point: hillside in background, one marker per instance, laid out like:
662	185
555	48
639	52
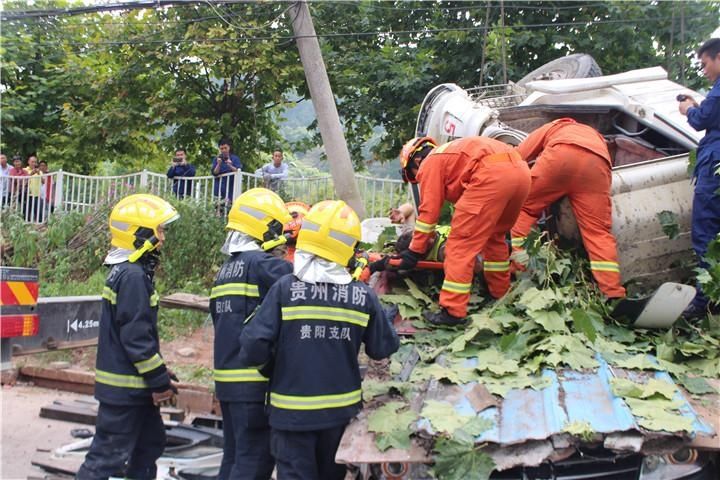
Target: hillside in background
294	128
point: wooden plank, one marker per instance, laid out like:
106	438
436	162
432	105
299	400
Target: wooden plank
70	413
187	301
45	460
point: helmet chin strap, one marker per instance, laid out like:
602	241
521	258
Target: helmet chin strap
273	236
270	244
147	246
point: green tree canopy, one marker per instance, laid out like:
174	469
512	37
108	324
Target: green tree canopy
130	86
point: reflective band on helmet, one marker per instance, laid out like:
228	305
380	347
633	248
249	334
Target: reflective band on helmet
496	266
239	375
109	295
333	314
342	237
150	364
245	289
518	241
253	212
120	225
315	402
308	225
118	380
456	287
605	266
424	227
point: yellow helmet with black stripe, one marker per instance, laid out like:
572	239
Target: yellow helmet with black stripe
135	220
260	213
330	230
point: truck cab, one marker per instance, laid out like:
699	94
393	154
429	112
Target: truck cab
650	142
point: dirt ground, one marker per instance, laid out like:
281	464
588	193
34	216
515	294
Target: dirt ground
23	431
201	341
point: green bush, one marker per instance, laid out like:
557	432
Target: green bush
51	249
70	249
191	253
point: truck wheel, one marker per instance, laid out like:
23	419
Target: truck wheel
577	65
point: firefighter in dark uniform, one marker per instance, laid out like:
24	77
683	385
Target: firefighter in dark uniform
310	327
255	225
131	379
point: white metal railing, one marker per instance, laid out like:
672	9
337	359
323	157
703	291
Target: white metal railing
35	198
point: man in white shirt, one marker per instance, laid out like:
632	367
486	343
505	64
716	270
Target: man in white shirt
274	172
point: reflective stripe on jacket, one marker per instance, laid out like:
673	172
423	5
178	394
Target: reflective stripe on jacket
443	176
129	365
312	336
240	286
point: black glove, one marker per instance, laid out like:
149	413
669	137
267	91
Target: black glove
408	260
379	265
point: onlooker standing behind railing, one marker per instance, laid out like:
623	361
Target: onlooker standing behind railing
225	162
18	185
275	172
48	195
181	168
34	206
4	181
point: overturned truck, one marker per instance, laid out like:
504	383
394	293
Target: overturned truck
543	384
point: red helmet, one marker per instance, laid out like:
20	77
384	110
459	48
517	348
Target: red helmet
297	211
407	155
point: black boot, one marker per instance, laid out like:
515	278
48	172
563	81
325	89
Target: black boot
443	318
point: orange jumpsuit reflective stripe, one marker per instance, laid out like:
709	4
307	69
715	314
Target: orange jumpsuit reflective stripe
488	184
573	161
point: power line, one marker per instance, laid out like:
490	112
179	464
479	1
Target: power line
586	23
153	4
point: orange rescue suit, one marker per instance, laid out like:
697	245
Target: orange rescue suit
573	160
488	183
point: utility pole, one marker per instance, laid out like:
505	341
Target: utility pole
336	149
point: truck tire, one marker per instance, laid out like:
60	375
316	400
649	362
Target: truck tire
577	65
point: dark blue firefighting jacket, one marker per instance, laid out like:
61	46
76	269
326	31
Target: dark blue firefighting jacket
129	366
706	117
240	285
313	333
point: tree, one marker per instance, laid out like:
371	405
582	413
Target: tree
131	87
123	87
61	94
408	47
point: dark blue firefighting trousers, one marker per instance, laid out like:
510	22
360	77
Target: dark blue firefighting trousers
127	442
705	215
246	448
307	455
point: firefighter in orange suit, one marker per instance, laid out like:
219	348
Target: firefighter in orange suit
297	210
488	182
573	160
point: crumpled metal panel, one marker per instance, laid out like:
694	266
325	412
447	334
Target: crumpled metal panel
572	396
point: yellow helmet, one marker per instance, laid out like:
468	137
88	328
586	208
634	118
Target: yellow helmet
330	230
260	213
135	220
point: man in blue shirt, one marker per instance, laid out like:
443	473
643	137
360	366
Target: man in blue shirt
274	172
706	204
178	172
225	162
